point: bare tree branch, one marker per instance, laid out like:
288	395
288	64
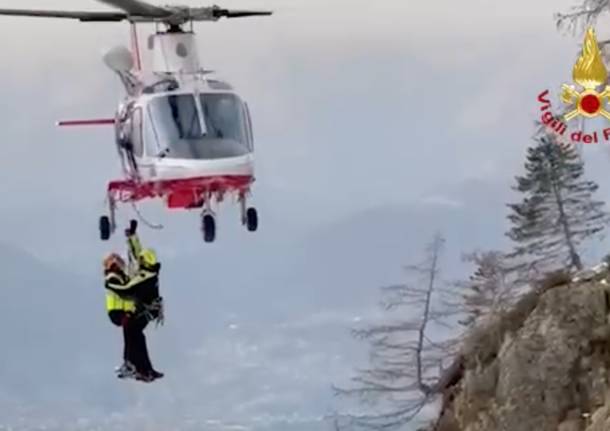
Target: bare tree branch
405	361
583	15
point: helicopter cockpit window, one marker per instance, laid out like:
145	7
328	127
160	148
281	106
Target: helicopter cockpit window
210	127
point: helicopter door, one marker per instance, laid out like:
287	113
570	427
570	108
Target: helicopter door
125	145
131	139
151	151
249	127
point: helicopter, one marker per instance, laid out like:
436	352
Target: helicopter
182	135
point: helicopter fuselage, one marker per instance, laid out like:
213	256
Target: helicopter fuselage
188	144
185	133
179	122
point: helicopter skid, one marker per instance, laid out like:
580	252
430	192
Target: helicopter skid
186	193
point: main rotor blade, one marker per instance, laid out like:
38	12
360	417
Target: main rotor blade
138	8
139	11
82	16
228	13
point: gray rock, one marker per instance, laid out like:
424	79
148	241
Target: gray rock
543	370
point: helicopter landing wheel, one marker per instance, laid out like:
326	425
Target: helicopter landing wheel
252	219
105	228
208	227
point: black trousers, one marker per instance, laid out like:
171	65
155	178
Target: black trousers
134	340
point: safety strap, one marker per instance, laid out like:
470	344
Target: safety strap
149	311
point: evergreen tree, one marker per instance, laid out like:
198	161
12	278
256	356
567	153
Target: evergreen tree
557	211
488	290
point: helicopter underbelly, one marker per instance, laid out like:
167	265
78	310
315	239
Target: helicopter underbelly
172	169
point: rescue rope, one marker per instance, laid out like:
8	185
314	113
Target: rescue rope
143	220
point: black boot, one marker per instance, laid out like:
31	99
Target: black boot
145	377
125	371
156	374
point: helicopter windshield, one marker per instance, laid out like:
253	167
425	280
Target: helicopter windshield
210	127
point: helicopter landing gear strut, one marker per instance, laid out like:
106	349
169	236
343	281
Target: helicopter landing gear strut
249	215
107	223
208	222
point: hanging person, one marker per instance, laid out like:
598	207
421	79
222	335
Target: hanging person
120	309
133	301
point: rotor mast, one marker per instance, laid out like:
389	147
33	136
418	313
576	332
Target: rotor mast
174	51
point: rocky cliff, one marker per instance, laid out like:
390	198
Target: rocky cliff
543	366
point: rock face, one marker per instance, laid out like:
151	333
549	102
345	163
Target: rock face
544	366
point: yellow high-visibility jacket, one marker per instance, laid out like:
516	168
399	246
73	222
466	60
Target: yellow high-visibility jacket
137	288
115	301
130	288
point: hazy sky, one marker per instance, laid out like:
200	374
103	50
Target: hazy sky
356	104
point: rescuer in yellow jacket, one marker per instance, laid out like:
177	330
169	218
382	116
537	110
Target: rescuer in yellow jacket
132	301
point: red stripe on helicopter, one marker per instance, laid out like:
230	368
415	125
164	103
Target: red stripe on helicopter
180	193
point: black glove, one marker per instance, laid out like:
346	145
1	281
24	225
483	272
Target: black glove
133	226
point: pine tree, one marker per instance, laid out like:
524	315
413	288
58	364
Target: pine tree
488	290
558	211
